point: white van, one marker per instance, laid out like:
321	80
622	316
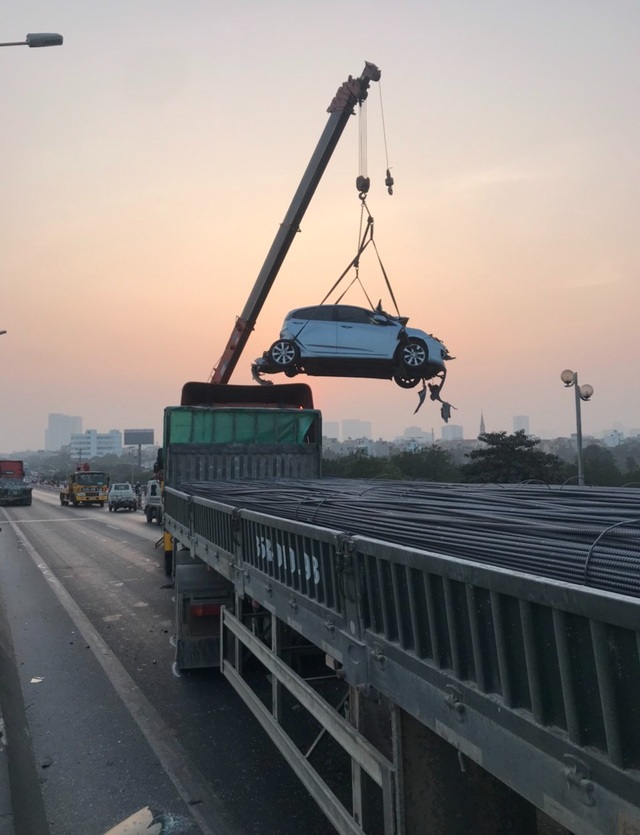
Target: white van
153	501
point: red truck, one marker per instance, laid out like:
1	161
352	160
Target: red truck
13	489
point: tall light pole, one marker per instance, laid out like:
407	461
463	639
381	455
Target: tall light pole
570	378
38	39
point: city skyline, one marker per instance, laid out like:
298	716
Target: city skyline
447	432
145	180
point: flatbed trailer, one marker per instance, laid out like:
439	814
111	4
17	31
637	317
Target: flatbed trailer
536	681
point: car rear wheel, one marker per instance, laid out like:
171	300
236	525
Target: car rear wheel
414	355
405	382
284	353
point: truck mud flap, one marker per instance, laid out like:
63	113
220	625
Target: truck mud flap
237	640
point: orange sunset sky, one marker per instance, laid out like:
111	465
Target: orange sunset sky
147	163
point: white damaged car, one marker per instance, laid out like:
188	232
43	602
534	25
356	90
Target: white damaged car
341	340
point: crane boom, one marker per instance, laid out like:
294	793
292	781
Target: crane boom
352	92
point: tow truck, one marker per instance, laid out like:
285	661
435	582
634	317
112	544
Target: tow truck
85	487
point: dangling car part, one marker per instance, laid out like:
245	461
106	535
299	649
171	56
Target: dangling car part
341	340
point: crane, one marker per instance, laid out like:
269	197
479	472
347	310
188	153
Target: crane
352	92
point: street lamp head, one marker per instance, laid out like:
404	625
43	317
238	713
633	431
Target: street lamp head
586	392
568	377
38	39
44	39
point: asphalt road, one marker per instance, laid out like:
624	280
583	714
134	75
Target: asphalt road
99	726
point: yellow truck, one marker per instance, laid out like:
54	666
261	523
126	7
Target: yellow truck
85	486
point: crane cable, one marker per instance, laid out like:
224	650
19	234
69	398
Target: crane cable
365	237
389	181
362	180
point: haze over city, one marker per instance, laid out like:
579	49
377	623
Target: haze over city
150	159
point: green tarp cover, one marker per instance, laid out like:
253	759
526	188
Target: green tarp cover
194	425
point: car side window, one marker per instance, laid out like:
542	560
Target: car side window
357	315
320	313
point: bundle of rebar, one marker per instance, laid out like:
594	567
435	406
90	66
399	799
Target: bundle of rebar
584	535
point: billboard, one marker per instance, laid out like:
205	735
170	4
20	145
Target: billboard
135	437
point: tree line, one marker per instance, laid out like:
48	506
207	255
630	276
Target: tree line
501	458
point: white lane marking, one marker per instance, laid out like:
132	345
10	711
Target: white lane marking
189	782
39	521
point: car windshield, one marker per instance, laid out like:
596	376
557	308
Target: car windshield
121	487
91	478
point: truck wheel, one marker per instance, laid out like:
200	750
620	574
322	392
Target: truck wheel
148	515
62	501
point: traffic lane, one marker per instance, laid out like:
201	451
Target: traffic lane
93	764
134	521
122	589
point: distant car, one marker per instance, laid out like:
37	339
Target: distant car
122	495
341	340
153	501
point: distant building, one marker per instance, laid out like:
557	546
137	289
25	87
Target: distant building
482	429
364	446
93	444
59	430
613	438
521	423
452	432
415	437
331	429
355	429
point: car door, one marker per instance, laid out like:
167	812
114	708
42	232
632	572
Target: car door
314	330
363	334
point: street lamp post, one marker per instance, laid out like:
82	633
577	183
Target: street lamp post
570	378
36	39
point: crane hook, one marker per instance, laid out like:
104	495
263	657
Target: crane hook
389	181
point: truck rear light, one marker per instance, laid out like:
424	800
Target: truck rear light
204	610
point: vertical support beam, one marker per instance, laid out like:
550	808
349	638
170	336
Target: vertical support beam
531	660
373	809
566	676
607	693
501	649
445	793
237	646
276	687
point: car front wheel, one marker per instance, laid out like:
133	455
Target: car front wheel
283	353
414	355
